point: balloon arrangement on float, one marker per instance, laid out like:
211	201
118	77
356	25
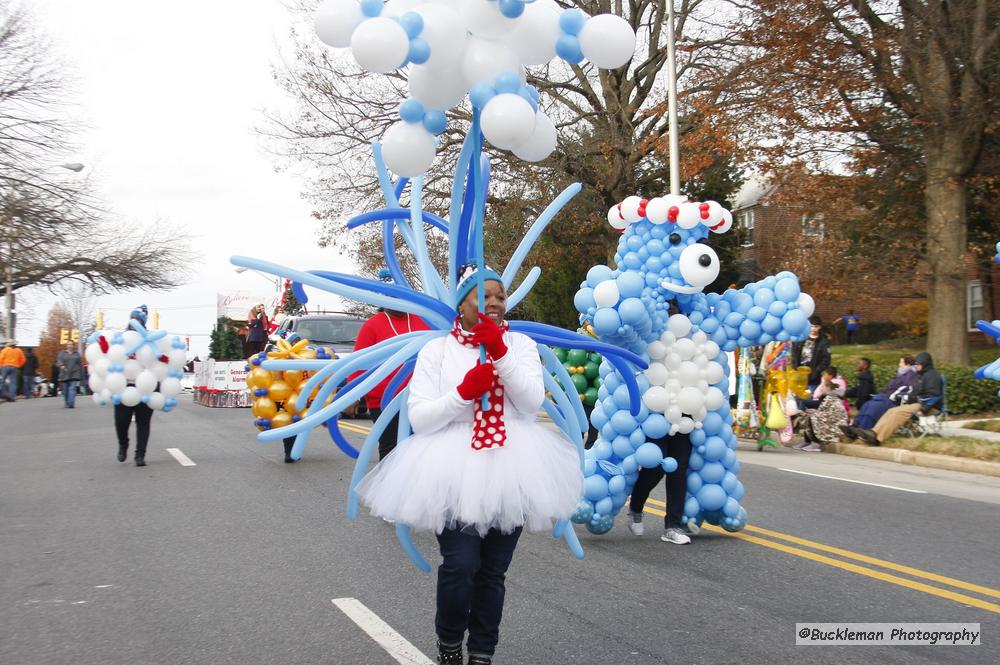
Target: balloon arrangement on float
454	46
584	372
991	370
277	398
478	48
662	262
150	360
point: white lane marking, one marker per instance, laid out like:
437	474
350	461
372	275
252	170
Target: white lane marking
104	586
181	457
859	482
395	644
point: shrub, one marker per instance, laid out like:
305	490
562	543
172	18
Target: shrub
965	393
869	332
912	318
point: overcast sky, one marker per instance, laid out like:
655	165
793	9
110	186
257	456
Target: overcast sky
171	92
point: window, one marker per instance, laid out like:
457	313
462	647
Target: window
974	303
745	224
813	226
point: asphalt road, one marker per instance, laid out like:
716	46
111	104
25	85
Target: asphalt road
238	558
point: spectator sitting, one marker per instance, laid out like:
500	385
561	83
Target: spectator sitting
894	394
819	425
926	394
865	388
831	383
814	352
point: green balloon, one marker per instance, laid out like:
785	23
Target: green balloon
591	370
598	382
595	357
568	365
560	353
580	383
577	357
590	397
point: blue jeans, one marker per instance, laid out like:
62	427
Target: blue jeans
69	392
470	587
29	386
8	382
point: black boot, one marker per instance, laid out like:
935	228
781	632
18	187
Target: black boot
122	451
289	442
479	660
449	655
140	458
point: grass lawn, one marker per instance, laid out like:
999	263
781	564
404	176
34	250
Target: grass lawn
845	356
957	446
984	425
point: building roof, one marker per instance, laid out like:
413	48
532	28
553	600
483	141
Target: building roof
753	190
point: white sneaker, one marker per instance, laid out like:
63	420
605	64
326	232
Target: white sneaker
692	528
635	524
676	536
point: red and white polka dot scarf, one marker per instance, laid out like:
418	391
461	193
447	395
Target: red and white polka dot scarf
488	429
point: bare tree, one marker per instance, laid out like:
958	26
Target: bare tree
80	302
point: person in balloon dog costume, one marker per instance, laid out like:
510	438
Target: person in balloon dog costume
476	472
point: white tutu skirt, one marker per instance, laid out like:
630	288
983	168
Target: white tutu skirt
436	481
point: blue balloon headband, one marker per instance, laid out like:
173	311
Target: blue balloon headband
469	279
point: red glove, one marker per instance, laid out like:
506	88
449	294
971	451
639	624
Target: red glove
489	335
478	380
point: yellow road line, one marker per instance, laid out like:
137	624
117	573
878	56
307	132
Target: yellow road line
854	568
847	554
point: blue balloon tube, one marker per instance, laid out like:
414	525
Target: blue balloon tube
391	290
389	214
536	229
404	373
367	451
557	419
333	425
428	274
400	186
455	211
552	363
389	254
572	542
576	341
405	539
524	288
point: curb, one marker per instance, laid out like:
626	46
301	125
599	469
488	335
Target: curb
916	458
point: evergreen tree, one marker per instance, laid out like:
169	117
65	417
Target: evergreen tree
225	343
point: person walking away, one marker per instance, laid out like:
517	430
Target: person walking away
141	412
677	446
30	371
813	353
927	393
851	321
70	373
257	324
11	360
386	324
864	388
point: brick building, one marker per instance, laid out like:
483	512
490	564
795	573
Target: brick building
775	237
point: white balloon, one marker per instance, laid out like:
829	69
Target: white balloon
542	141
92	353
656	350
507	121
439	88
444	32
115	382
131	396
160	371
699	338
710	349
98	400
688	373
655	399
408	149
156	401
672	361
147	356
380	45
679	325
96	383
630	209
725	224
657	374
130	338
607	40
536	32
684	348
164	344
176	359
685	426
399	7
483	19
146	382
170	387
657	210
690	399
615	219
606	294
105	396
688	215
807	304
336	20
132	369
673	414
668	338
116	354
714	398
484	59
100	367
713	372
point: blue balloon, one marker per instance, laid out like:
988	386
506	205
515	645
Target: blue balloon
794	321
695	460
763	297
480	94
728	482
371	8
711	497
669	464
595	487
435	122
598	274
605	506
600	525
616	485
568	48
623	422
715	448
621	446
636	438
749	330
630	284
413	23
571	21
507	82
712	472
602	450
584	512
606	321
419	51
711	424
632	311
655	426
511	8
756	313
648	455
629	465
787	289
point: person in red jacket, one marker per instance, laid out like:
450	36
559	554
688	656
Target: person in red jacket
384	325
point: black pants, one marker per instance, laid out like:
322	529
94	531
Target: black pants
850	336
677	446
592	433
123	418
470	587
289	442
387	440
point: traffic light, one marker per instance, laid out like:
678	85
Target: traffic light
156	320
66	335
100	319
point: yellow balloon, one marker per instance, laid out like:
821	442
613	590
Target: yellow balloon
292	404
279	391
259	378
307	354
294	377
264	408
281	419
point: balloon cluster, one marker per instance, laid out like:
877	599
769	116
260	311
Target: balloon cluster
653	305
990	370
474	47
584	371
135	366
277	399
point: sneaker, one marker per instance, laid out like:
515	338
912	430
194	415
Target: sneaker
849	432
449	654
635	523
868	436
800	446
812	448
676	536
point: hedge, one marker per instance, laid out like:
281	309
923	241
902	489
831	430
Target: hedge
867	333
965	394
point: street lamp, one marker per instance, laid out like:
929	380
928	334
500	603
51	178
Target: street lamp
276	280
76	167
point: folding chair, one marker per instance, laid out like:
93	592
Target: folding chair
935	414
